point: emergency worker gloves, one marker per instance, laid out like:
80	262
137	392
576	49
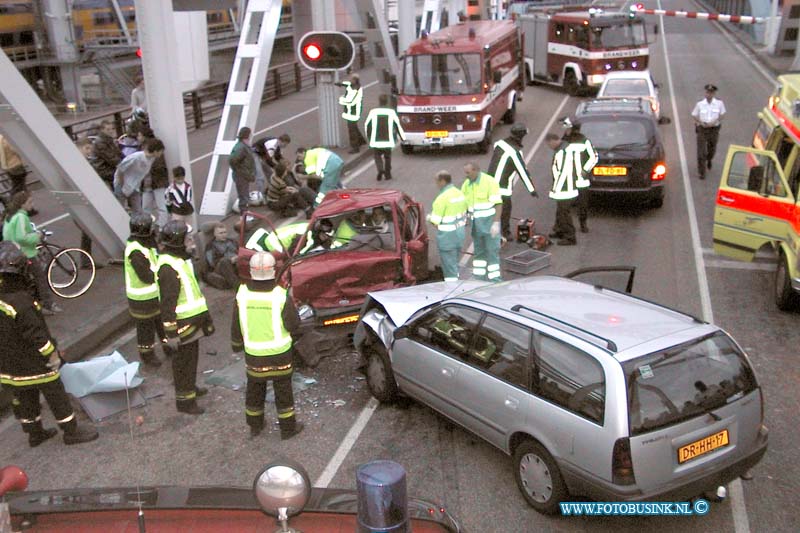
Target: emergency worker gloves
173	343
495	229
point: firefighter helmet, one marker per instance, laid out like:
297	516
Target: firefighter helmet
262	266
519	130
566	122
173	234
12	260
141	225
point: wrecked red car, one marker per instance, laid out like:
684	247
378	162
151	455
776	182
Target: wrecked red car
374	239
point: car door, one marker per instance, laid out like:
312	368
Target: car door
426	363
754	206
415	244
492	388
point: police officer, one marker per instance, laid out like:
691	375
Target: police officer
382	127
449	215
29	357
183	311
707	114
141	257
351	102
482	194
264	320
325	164
506	164
280	241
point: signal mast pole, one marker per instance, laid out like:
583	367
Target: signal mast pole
323	17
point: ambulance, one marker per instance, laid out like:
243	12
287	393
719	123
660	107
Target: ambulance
757	200
458	83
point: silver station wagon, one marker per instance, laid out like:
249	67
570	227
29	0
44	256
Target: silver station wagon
593	392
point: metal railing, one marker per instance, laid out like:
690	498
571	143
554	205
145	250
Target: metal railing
204	105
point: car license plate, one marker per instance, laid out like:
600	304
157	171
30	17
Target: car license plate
703	446
435	134
610	171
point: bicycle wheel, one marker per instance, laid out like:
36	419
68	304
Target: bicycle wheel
65	275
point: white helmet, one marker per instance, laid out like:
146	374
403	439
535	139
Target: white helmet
262	266
256	198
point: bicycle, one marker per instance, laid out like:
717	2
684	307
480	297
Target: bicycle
70	271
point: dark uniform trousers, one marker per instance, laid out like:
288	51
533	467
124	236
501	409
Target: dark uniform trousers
706	146
505	217
582	206
149	327
383	162
564	227
28	410
356	138
184	371
260	370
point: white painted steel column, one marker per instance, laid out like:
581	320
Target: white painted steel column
331	124
407	24
773	27
155	23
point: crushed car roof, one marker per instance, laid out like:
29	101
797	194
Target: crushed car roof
342	200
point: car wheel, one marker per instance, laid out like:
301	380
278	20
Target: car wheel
538	477
511	114
657	202
486	143
407	149
785	297
571	83
380	378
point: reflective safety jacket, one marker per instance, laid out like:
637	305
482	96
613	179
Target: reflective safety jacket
190	301
279	240
26	342
507	163
261	321
449	215
568	169
382	126
135	287
351	101
481	196
315	161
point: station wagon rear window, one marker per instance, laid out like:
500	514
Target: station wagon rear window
627	88
685	381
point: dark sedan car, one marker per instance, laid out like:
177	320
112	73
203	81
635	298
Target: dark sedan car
625	135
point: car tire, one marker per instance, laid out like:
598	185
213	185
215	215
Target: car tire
511	114
657	202
407	149
571	83
785	297
380	378
538	477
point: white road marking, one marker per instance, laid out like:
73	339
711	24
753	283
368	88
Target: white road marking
738	265
53	220
545	130
281	123
741	523
347	444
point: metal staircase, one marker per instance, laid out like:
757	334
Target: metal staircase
117	79
250	66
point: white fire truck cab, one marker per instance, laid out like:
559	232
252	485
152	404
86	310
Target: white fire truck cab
575	46
458	83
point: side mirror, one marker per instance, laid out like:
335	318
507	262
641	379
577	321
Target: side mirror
657	85
401	333
497	76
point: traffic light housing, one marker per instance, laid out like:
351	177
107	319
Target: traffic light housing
326	50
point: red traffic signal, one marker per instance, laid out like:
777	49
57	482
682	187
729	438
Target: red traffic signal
139	52
326	50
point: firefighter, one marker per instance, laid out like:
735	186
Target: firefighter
141	257
351	102
482	194
449	215
382	127
183	311
29	357
282	240
264	320
581	148
325	164
506	164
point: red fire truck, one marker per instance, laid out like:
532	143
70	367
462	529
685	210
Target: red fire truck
458	83
575	46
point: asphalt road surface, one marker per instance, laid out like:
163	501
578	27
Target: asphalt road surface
671	248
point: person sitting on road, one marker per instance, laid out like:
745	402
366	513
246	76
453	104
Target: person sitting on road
221	257
285	199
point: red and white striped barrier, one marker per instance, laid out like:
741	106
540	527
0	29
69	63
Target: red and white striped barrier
737	19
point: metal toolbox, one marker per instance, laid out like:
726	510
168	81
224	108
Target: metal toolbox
527	262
